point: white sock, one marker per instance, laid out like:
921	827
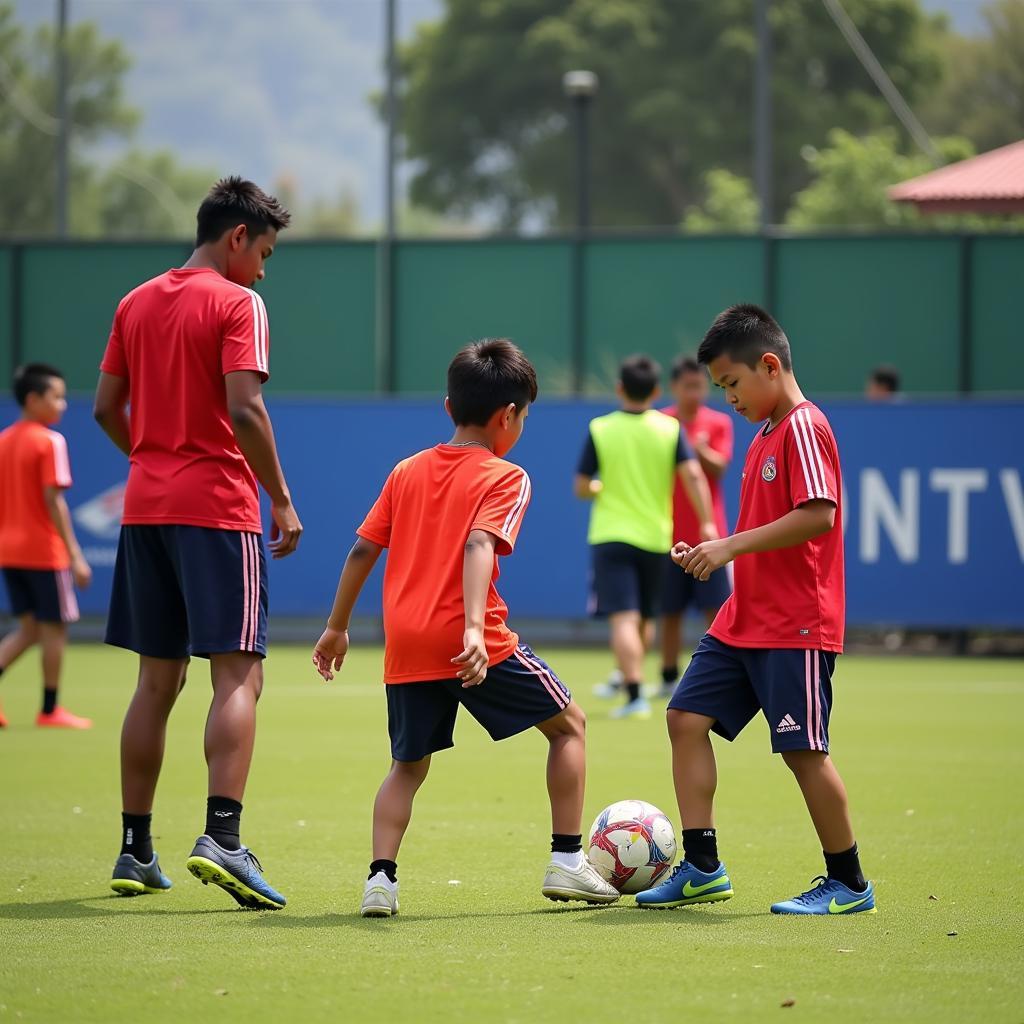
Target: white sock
573	861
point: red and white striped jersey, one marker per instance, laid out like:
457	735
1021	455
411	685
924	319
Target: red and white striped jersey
793	597
174	338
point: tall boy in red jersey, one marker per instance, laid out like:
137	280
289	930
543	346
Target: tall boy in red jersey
773	646
189	352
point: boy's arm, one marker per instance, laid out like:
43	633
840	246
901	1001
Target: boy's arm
477	569
584	486
110	409
810	520
332	646
58	509
255	436
713	463
696	486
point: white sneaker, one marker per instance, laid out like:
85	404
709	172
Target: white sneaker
380	897
639	708
583	883
612	686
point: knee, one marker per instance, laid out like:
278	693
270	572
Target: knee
576	720
803	762
30	633
686	727
411	771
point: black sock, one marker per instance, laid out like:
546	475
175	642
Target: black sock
700	848
633	691
49	701
222	820
561	843
135	838
389	867
845	867
669	674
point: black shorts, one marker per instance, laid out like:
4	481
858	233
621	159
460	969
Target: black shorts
624	579
183	590
48	595
520	692
680	590
792	688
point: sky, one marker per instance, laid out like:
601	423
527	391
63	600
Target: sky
275	89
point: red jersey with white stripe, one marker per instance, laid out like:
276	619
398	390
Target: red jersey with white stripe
174	338
32	458
423	516
793	597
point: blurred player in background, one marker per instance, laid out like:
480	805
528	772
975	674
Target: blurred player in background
637	454
188	355
710	435
883	384
445	515
39	553
772	648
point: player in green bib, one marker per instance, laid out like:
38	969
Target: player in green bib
628	468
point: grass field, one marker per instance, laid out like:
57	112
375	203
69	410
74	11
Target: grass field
930	749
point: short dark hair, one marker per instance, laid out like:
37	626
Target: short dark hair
886	376
486	376
639	376
745	332
233	201
686	363
33	379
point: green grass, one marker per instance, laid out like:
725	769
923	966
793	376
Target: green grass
931	751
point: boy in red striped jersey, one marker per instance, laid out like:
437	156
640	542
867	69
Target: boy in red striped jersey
773	645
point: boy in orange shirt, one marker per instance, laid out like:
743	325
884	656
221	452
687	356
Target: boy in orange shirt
445	515
39	555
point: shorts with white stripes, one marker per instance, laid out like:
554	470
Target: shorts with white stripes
188	590
519	693
48	595
792	688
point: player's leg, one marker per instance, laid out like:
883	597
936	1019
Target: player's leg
627	643
56	608
19	640
671	643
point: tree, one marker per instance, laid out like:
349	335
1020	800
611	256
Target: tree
483	115
729	205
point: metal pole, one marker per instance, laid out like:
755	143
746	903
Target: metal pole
763	111
581	108
64	126
390	112
385	341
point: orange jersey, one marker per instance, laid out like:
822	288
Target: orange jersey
423	516
32	458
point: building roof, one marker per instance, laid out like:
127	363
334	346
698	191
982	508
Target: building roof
990	183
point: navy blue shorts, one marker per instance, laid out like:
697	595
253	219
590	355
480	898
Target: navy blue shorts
679	590
792	688
624	578
520	692
48	595
184	590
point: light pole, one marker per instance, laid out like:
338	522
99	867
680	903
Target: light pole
63	126
580	87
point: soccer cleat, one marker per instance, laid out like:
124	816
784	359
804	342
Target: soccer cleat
61	718
829	896
237	872
380	897
639	708
584	884
133	878
3	719
686	886
611	687
667	690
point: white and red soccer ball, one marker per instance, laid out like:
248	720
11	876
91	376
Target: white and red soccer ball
632	845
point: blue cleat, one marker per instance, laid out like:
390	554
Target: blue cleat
237	872
829	896
686	886
133	878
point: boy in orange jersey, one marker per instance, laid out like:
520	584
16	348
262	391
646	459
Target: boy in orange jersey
445	515
39	554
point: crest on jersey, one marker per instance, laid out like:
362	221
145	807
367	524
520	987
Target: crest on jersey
768	471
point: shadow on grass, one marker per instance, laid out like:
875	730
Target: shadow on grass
100	906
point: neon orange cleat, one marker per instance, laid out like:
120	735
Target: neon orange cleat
3	719
61	718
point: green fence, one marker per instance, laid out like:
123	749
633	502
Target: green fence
941	308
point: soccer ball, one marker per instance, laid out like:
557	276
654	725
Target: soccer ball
632	845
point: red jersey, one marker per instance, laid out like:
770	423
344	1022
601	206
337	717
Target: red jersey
715	428
424	514
32	458
174	338
792	597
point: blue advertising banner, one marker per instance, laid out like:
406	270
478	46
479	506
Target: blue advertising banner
934	519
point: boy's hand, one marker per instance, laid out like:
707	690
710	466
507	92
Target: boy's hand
330	652
81	572
285	530
472	660
703	559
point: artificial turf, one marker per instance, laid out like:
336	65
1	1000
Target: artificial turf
930	750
